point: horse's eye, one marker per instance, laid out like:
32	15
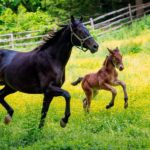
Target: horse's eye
75	29
79	29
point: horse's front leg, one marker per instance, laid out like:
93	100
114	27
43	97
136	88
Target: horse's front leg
57	91
46	103
123	85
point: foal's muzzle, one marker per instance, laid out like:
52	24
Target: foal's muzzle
121	67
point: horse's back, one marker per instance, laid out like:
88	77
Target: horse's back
6	57
17	69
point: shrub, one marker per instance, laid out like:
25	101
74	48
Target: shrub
24	21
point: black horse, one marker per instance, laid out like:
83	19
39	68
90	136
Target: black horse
43	69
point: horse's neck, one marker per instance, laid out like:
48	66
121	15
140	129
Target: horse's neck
61	50
108	64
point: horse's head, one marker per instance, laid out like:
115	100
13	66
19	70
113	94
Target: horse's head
81	37
116	58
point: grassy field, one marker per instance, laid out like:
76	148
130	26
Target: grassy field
102	129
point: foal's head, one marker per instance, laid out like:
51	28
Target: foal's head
81	37
116	58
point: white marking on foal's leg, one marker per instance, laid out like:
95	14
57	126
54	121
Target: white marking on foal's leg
7	119
84	103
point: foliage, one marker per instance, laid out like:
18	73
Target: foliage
131	39
63	8
133	30
24	21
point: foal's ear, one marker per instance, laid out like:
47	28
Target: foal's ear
81	18
110	51
117	48
72	19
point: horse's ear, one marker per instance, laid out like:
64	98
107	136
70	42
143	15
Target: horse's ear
110	51
81	18
72	19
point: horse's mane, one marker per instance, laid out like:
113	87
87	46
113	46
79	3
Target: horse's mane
51	38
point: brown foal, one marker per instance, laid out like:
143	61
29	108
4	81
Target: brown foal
104	79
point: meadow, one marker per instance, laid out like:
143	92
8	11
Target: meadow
102	129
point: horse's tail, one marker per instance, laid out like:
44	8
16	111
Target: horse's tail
77	81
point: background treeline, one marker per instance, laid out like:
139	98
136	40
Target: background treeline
63	8
22	15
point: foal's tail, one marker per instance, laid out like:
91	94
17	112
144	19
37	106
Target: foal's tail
77	81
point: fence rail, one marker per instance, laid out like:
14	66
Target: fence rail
103	24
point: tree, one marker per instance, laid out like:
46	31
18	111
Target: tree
31	5
139	12
13	4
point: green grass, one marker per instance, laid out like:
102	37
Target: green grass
102	129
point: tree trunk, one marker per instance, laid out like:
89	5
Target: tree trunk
139	12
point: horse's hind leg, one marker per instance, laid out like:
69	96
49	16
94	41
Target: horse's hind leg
87	100
95	92
88	92
3	93
84	103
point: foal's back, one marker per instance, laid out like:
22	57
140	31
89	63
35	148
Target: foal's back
103	75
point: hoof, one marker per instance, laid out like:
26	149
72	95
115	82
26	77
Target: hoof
107	106
62	123
7	119
88	110
125	105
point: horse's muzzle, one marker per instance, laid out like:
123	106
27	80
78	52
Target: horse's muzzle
94	48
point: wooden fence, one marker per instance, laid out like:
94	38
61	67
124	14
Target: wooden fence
116	19
20	39
102	24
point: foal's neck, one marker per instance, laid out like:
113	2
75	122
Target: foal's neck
61	49
108	63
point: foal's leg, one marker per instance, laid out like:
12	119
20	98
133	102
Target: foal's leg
4	92
46	103
84	103
56	91
118	82
114	93
87	100
95	93
88	92
88	97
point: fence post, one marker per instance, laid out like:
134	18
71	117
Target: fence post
130	12
92	23
12	40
